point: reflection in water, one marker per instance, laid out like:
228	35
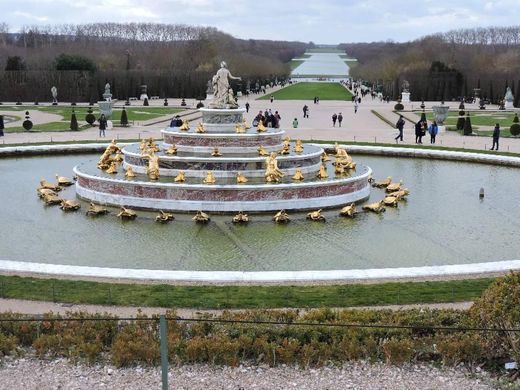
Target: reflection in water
443	222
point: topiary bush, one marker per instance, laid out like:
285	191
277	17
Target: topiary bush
515	127
423	116
145	103
468	130
498	307
27	123
399	106
124	118
90	118
74	122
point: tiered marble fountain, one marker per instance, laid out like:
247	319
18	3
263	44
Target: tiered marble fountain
238	155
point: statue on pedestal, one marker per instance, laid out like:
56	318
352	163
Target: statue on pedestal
54	93
508	99
223	94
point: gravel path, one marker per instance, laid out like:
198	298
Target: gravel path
59	374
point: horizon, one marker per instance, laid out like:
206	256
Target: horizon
362	21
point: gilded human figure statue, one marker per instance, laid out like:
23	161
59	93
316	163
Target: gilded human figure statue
272	172
153	165
223	97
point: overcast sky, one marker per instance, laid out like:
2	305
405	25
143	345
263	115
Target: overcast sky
320	21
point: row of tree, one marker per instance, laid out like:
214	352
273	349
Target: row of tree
479	62
172	60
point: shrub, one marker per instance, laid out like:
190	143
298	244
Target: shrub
468	130
124	118
498	308
515	127
423	116
398	352
145	103
399	106
467	348
73	122
7	344
135	343
461	106
460	122
90	118
74	62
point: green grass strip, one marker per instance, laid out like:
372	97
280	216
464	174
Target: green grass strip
217	297
307	91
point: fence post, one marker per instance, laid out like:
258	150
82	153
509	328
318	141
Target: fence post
53	291
164	351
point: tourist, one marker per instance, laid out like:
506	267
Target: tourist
276	120
340	119
334	119
399	126
176	121
271	98
496	136
305	111
356	106
295	123
433	129
247	106
102	125
2	126
259	118
419	131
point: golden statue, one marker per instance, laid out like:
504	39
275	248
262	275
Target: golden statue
172	149
210	178
298	175
127	213
200	128
316	216
281	217
390	201
185	125
339	169
50	186
151	146
106	157
180	178
322	174
69	205
401	194
325	157
142	146
262	151
45	191
201	217
272	173
112	169
285	146
241	218
64	181
129	172
349	210
392	187
241	178
118	157
298	147
216	152
261	128
239	129
51	199
377	207
153	166
246	125
164	217
382	183
343	158
96	210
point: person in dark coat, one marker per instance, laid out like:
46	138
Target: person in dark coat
399	126
1	126
496	136
334	119
340	119
102	125
247	106
433	129
419	131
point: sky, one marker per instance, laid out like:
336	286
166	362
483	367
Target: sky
319	21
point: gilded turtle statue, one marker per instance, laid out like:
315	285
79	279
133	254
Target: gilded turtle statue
69	205
392	187
316	216
163	217
281	217
94	209
126	213
180	178
201	217
377	207
390	201
64	181
51	199
49	186
382	183
349	210
241	218
45	191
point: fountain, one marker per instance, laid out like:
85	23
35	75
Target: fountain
222	148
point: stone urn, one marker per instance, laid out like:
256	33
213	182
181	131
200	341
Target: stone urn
440	113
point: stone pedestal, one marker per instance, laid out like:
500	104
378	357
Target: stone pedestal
221	120
509	105
405	97
106	108
441	129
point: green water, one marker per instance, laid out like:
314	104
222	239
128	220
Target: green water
443	222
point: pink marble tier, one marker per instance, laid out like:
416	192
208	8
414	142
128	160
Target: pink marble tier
252	139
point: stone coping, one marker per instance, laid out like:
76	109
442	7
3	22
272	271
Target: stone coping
252	133
260	276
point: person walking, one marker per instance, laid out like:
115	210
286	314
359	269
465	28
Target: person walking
340	119
2	126
334	119
433	129
295	123
496	136
419	132
356	106
305	111
271	98
102	125
247	106
400	126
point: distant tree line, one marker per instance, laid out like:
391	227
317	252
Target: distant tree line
444	66
172	60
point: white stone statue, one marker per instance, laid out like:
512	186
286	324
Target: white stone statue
508	98
54	93
221	88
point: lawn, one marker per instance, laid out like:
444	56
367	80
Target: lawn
479	118
295	63
307	91
216	297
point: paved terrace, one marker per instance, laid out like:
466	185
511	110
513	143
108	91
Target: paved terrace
361	127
